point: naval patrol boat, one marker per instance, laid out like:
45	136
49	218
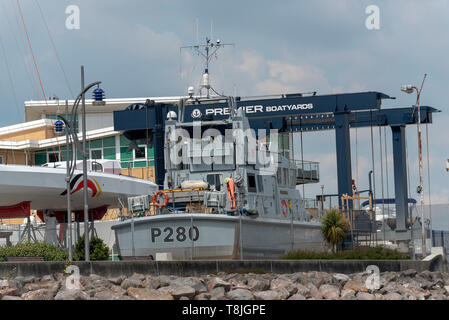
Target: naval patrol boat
228	194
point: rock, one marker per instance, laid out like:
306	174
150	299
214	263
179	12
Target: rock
267	295
325	278
437	284
151	282
148	294
302	290
164	280
118	290
184	298
387	277
297	296
329	292
13	291
47	278
178	291
58	276
52	285
182	291
192	282
108	295
116	280
30	279
75	294
240	294
378	296
446	288
390	287
424	283
11	298
437	296
258	284
365	296
347	295
227	277
340	277
411	292
238	284
10	288
131	282
314	292
137	276
203	296
100	282
410	273
393	296
217	293
217	282
356	286
279	283
284	293
41	294
32	287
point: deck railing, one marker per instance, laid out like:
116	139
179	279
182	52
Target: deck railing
307	171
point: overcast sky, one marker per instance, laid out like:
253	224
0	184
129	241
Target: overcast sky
280	47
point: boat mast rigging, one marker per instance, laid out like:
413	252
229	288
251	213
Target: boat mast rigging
207	51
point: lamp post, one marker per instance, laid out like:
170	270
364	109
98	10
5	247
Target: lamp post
322	199
409	89
70	127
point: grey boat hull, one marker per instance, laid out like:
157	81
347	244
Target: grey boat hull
214	236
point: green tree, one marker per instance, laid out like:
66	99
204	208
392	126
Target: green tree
98	250
334	227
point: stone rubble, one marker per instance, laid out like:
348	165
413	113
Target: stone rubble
406	285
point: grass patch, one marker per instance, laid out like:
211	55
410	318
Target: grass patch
368	253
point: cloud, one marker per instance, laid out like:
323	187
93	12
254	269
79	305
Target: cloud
274	76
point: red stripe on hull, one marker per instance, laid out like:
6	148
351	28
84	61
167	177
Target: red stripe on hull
20	210
61	216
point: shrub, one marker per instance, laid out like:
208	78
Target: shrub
369	253
98	250
34	249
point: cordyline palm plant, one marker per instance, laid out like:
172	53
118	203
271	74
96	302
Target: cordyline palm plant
334	227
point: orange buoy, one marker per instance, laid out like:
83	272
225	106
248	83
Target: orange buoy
155	197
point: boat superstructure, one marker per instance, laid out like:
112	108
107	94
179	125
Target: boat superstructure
228	193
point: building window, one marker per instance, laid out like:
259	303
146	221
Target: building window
97	167
214	180
53	157
252	183
1	159
96	154
140	152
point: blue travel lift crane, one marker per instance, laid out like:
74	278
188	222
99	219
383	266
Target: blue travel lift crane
291	113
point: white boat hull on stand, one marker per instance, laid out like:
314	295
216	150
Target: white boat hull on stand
45	188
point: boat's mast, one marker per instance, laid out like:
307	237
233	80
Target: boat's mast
210	49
